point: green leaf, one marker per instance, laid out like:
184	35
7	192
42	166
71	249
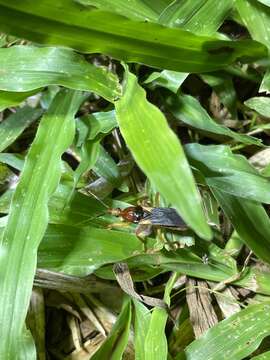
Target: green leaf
172	80
11	159
22	70
233	338
200	17
106	167
187	109
141	326
259	104
224	87
265	2
134	9
59	252
256	18
250	220
28	217
159	154
158	350
96	31
89	155
265	85
228	172
8	99
115	344
101	123
15	124
265	355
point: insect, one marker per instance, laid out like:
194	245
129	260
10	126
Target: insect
147	218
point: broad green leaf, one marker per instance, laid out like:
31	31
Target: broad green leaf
229	172
172	80
134	9
8	99
14	125
159	154
259	104
141	325
28	217
187	109
250	220
22	70
96	31
116	342
256	18
233	338
67	249
201	17
80	251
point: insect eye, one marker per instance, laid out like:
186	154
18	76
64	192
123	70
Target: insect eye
138	214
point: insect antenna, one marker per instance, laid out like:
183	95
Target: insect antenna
96	197
85	221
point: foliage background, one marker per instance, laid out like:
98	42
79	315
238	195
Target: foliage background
115	102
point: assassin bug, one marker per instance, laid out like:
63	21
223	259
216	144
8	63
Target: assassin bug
145	217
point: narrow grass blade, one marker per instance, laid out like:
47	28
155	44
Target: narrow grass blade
263	356
28	217
157	151
250	220
187	109
96	31
228	172
8	99
171	80
158	350
233	338
141	325
11	159
114	346
203	17
15	124
256	18
22	70
259	104
134	9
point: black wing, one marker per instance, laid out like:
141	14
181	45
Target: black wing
167	217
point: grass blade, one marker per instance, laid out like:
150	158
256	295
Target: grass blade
8	99
15	124
28	217
95	31
203	17
22	70
159	350
250	220
234	338
157	150
227	172
115	344
187	109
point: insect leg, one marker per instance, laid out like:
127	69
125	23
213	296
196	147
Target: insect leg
118	225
